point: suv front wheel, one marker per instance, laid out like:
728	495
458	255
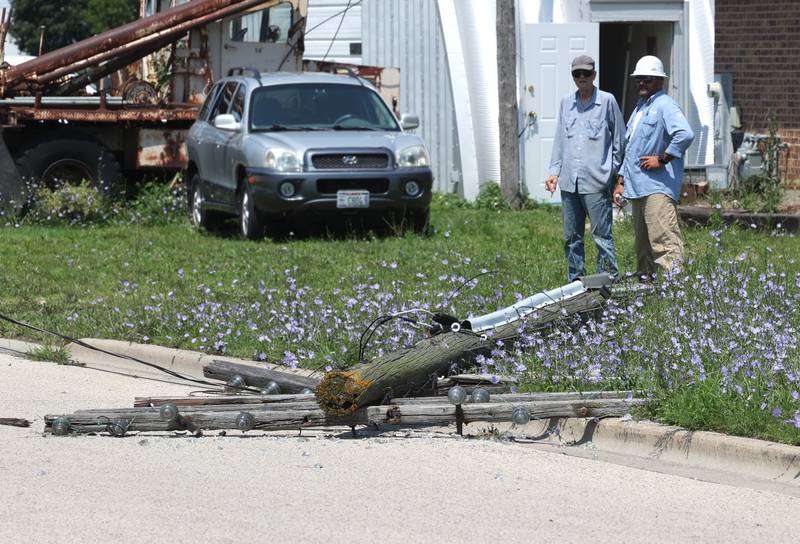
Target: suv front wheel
251	224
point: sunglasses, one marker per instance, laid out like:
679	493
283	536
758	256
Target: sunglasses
645	79
582	73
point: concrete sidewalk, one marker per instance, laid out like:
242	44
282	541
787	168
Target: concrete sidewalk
328	486
750	459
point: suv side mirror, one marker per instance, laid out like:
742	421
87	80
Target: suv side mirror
409	121
226	121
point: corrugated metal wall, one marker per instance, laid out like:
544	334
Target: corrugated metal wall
333	18
407	34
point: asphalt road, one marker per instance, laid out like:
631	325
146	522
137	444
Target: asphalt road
328	487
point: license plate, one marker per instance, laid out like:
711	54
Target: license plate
352	199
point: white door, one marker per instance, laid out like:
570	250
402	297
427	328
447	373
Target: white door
549	50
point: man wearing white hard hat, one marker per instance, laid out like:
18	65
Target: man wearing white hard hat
587	153
651	176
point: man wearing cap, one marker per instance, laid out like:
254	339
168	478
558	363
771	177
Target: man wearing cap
657	137
587	152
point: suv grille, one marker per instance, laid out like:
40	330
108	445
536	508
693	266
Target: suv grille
373	185
350	161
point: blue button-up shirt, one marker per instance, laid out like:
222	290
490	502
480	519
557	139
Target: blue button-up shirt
589	141
662	128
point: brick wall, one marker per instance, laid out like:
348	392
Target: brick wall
758	42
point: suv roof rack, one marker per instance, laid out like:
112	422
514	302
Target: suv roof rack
241	70
334	68
350	72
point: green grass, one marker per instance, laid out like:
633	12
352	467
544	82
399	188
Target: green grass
131	280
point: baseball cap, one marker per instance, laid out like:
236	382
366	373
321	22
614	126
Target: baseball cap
583	62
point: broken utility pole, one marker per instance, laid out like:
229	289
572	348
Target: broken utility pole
507	98
413	370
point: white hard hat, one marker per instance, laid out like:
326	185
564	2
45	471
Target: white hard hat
649	66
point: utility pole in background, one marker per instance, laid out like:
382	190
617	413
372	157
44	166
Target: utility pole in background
507	94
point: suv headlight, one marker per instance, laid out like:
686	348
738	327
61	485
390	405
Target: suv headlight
412	156
283	160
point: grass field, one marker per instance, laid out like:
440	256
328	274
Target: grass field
714	347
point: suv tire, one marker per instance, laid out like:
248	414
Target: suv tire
250	223
421	221
199	216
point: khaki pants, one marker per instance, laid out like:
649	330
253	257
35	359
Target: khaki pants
658	241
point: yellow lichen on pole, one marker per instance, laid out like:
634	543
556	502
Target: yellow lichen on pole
338	393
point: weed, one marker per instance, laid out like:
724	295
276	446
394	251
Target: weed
763	193
50	353
157	203
71	205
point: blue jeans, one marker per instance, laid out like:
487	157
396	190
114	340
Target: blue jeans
575	207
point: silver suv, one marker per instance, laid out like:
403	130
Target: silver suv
271	147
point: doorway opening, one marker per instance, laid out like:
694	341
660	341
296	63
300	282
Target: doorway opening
621	45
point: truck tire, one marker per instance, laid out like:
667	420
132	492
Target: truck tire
62	161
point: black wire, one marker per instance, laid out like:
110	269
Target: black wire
528	123
349	7
121	356
373	327
305	33
361	338
344	14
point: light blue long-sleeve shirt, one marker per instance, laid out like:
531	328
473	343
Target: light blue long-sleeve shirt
662	128
589	142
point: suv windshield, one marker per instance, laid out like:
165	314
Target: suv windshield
319	106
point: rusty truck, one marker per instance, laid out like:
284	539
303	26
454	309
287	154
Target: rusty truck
118	104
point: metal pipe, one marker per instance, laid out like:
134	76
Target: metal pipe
59	101
151	42
525	307
98	72
115	38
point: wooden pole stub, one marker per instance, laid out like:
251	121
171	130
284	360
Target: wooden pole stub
339	392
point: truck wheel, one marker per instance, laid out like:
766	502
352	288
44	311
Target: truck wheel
55	163
252	225
199	216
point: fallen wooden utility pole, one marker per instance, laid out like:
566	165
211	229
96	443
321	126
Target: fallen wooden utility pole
500	384
207	420
226	399
278	416
443	414
309	405
525	397
414	370
254	376
280	400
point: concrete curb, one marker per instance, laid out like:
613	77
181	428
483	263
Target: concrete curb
702	449
759	459
17	347
185	362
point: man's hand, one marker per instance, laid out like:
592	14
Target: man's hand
616	196
551	183
650	162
